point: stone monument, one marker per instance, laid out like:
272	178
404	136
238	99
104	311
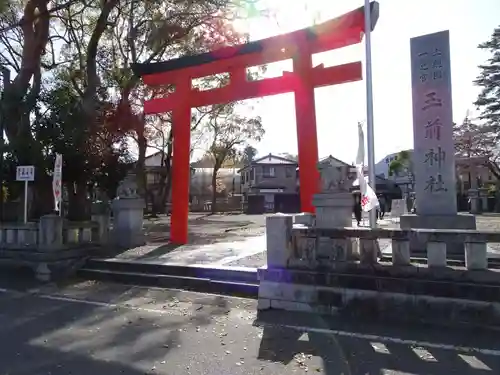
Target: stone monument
333	210
128	214
434	153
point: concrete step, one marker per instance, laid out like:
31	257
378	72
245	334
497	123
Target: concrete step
212	272
493	263
203	285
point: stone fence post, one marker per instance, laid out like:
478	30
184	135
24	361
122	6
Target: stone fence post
278	240
476	254
50	229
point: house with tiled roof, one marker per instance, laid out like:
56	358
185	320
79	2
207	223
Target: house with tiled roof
269	184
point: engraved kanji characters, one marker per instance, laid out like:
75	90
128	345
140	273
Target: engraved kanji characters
431	65
435	184
435	157
433	129
431	100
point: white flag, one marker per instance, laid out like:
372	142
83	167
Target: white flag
369	199
56	182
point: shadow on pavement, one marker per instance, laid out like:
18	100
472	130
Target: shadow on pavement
343	355
50	336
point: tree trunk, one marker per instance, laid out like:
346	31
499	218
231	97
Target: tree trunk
140	168
43	198
214	191
78	203
35	28
493	167
166	194
155	204
166	175
149	200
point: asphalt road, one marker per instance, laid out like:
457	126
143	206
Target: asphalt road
90	328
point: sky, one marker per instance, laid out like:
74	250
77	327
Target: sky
339	108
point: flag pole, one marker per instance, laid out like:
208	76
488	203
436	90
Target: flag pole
369	107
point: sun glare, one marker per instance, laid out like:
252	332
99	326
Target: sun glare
273	17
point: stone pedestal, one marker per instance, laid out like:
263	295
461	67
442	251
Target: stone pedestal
333	210
128	217
459	221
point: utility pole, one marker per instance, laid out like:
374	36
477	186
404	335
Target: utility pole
6	83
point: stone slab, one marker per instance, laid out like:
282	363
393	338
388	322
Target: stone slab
454	249
333	209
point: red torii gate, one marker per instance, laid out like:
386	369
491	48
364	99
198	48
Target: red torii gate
343	31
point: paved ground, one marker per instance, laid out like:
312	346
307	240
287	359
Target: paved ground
90	328
231	240
213	239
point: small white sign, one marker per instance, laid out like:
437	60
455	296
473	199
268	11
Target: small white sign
25	173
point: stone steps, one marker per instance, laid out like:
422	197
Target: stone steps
235	281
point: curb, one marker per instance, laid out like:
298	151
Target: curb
231	281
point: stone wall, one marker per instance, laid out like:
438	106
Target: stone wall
357	283
53	246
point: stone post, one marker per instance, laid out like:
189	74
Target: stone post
128	215
278	240
50	231
476	256
436	254
401	252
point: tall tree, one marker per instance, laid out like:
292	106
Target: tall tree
477	140
488	101
145	34
91	45
92	155
24	35
230	132
249	154
480	141
483	137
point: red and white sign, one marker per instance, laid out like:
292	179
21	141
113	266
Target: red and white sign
56	182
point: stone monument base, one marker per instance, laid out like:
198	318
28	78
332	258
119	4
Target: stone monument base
333	210
453	249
